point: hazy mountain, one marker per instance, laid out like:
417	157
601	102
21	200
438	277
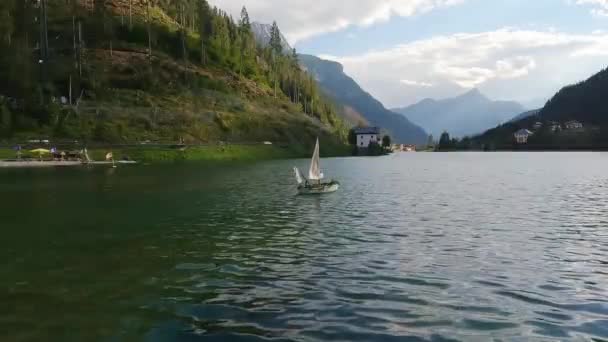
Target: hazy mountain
261	33
467	114
343	89
525	115
534	103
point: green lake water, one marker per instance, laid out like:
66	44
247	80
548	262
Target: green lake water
428	246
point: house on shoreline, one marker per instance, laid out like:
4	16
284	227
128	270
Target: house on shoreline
367	136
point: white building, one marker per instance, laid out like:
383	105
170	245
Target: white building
573	125
366	136
555	126
522	136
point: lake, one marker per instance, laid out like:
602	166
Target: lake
427	246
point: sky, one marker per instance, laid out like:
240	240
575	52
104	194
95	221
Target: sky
402	51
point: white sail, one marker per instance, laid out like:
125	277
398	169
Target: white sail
298	176
315	166
86	155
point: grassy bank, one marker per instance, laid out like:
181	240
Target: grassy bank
215	153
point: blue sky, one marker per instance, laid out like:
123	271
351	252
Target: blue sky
471	16
402	51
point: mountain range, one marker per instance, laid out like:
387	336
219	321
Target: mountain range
356	101
465	115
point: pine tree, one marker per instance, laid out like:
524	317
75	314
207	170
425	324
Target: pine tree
246	37
275	43
245	23
204	27
6	21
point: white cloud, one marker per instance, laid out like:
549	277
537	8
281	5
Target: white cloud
302	19
505	63
416	83
600	7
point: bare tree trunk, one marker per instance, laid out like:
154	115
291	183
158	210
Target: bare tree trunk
74	32
183	23
41	44
130	15
70	90
202	50
80	48
46	28
149	31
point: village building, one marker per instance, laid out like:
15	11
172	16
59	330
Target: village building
555	126
571	125
522	136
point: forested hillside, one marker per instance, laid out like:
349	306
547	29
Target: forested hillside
582	102
161	70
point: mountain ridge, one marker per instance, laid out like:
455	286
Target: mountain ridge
343	89
464	115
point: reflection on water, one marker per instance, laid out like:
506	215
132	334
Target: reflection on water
414	246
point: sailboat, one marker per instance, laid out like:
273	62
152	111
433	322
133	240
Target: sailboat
314	185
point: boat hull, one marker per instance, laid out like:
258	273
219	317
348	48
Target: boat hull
324	188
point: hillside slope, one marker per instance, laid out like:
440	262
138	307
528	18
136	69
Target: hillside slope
583	102
525	115
465	115
188	74
330	75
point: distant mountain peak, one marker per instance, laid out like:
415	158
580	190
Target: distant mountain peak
468	114
474	94
427	101
473	91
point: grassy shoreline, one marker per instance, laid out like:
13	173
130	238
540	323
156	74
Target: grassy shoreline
215	153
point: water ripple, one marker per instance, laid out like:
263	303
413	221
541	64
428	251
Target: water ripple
414	247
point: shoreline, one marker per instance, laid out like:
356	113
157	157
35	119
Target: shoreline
211	153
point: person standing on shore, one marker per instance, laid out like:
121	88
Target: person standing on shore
18	149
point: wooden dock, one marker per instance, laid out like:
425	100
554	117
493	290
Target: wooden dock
36	163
